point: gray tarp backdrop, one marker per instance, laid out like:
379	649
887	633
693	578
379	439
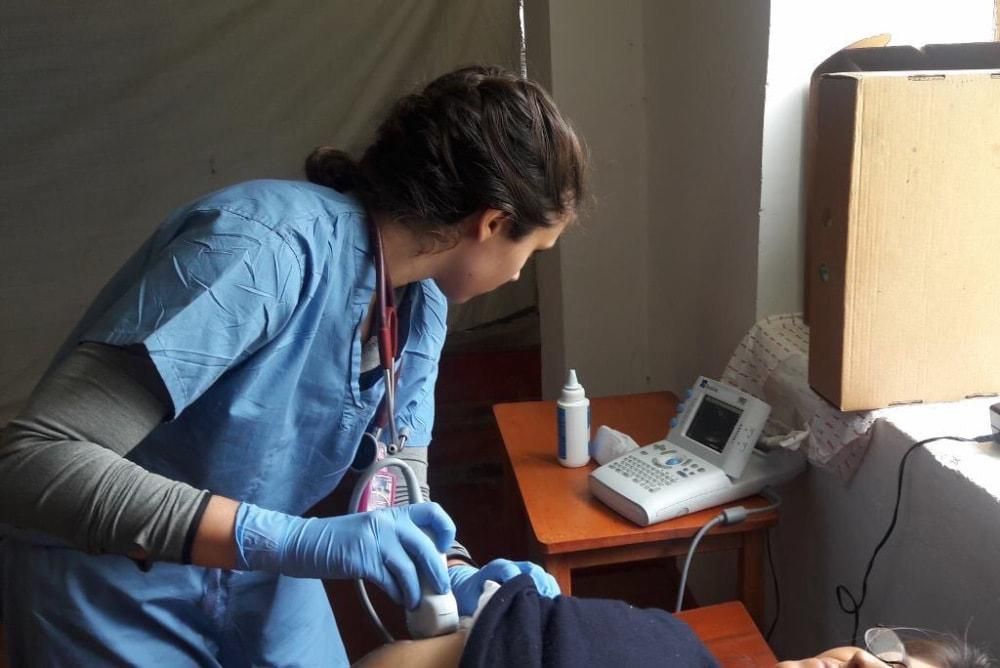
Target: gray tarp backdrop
114	113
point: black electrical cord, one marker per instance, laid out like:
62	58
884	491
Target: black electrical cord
843	591
777	591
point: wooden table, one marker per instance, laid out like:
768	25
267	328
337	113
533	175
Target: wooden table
572	529
730	635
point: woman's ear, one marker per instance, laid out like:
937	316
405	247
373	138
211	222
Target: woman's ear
489	223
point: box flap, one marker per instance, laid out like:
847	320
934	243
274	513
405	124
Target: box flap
993	72
969	56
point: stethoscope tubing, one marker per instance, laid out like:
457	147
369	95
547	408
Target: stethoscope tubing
394	445
387	333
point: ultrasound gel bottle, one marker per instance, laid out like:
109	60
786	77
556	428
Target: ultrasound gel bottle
573	415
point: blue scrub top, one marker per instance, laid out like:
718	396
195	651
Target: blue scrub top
249	301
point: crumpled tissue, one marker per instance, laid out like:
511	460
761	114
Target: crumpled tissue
609	444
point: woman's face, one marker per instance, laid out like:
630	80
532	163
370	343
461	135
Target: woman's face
487	258
849	657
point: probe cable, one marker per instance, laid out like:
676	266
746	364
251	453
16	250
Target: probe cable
841	590
727	517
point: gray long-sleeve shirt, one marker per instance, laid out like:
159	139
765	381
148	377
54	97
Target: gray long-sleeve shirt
63	469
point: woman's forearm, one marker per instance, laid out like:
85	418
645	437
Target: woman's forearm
63	469
214	542
440	652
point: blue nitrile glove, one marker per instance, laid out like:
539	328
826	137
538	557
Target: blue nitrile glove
395	548
467	581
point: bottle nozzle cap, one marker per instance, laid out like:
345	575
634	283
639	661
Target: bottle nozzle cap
572	390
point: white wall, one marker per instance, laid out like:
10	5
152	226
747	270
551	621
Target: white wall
937	571
592	292
657	284
802	34
705	68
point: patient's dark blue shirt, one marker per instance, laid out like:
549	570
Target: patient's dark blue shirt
520	628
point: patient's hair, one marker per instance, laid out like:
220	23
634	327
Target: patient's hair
948	651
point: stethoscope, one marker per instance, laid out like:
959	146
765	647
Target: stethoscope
387	333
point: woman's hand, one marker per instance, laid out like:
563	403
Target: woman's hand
467	581
395	548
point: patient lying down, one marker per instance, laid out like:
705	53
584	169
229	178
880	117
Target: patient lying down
517	627
514	626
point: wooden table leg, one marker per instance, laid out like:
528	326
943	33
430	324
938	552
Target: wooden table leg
751	574
559	568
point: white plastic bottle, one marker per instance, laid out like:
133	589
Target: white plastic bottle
573	415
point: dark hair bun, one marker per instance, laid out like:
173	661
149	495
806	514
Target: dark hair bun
333	168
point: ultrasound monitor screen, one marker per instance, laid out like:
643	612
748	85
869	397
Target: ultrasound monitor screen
713	423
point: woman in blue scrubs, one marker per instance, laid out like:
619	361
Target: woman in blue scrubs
221	383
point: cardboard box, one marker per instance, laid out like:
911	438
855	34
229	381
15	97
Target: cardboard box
903	227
